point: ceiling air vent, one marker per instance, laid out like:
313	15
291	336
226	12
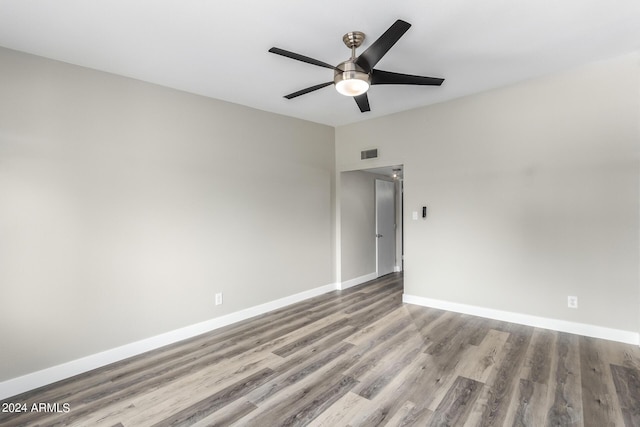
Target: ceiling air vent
369	154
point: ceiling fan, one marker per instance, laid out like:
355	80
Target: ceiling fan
354	76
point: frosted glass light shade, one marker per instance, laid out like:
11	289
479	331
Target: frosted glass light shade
352	87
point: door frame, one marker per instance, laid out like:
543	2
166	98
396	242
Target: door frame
343	281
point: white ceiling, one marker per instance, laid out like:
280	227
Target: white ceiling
219	48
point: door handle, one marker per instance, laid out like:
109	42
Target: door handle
378	235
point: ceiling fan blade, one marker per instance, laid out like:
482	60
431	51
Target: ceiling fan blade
307	90
379	77
370	57
299	57
363	102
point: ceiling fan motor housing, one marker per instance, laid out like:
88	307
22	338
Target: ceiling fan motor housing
351	79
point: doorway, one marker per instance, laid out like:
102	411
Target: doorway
361	255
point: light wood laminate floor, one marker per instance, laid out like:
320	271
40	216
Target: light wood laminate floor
358	357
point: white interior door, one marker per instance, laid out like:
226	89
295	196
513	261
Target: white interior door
385	227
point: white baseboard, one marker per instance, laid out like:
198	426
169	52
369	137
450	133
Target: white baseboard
397	269
50	375
357	281
627	337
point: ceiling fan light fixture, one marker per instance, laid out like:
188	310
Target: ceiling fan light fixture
354	76
352	86
353	81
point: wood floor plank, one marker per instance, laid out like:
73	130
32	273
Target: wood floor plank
380	282
599	398
417	417
377	354
537	367
313	337
437	335
377	378
627	383
504	380
402	415
293	373
303	405
292	387
410	415
376	311
345	301
382	328
454	355
423	319
446	371
104	417
231	413
529	408
456	406
272	341
477	363
341	411
394	397
370	297
205	407
147	380
316	404
386	404
358	357
159	404
565	396
482	360
340	367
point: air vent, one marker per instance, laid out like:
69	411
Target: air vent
369	154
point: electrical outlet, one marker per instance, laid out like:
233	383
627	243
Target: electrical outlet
572	302
219	298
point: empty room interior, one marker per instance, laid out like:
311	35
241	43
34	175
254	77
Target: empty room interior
198	226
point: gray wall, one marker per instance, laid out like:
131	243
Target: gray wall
124	207
532	193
